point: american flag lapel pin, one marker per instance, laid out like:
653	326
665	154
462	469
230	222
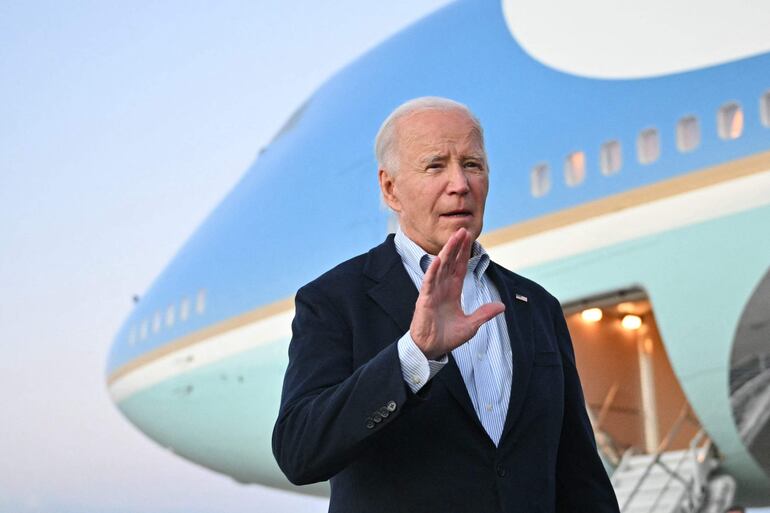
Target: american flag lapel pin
521	298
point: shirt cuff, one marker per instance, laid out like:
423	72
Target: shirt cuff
416	369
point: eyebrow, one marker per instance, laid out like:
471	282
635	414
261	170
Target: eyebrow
436	157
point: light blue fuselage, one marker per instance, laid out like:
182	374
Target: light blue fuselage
311	200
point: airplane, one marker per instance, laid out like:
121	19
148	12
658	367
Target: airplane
642	202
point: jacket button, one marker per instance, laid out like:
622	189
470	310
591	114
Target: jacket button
500	471
391	406
377	418
384	412
369	423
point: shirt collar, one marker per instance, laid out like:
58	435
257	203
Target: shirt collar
418	260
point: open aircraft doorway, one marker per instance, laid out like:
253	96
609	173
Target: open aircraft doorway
649	438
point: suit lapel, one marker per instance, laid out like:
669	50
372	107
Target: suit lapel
518	317
396	294
392	289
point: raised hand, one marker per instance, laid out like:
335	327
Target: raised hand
439	323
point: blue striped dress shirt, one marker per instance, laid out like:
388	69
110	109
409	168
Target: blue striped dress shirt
485	360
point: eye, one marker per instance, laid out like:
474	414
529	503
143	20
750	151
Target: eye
473	165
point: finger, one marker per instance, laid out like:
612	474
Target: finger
463	255
431	276
449	253
454	244
485	312
457	263
449	245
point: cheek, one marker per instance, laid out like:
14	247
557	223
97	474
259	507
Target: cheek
481	188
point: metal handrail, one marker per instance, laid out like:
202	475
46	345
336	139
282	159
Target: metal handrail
603	439
673	474
658	452
606	404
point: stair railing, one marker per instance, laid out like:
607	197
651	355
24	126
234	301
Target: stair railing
662	447
603	439
690	486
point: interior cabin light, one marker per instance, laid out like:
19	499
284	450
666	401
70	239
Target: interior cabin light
631	322
592	314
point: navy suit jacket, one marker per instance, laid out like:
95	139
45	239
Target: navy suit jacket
348	416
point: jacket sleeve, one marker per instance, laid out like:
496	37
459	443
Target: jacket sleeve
329	411
582	485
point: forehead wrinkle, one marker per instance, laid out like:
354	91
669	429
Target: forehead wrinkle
431	146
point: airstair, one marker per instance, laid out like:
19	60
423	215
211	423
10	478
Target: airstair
641	417
677	481
667	482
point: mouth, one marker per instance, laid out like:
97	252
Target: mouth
457	214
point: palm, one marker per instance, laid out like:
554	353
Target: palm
439	323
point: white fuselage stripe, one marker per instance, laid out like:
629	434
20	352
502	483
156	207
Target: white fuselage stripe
656	216
204	352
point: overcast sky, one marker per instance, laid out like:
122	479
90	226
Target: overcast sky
121	126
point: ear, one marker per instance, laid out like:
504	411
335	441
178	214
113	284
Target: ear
387	187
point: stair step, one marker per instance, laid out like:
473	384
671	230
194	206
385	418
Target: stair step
667	493
654	471
653	477
645	494
660	508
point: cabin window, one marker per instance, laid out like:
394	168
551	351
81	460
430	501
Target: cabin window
648	146
156	322
730	121
610	158
764	108
143	330
184	309
575	168
132	336
540	180
200	302
687	134
170	315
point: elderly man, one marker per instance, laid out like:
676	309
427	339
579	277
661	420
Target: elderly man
422	376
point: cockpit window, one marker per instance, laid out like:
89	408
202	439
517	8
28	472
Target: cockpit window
291	122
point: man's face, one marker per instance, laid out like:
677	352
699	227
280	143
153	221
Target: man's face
442	181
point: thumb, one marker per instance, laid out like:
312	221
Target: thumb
485	312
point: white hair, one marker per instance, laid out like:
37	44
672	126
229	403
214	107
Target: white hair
385	144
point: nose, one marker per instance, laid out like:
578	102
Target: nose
458	179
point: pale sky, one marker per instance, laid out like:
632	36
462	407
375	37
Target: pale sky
121	126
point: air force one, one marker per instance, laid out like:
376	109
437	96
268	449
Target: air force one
639	195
